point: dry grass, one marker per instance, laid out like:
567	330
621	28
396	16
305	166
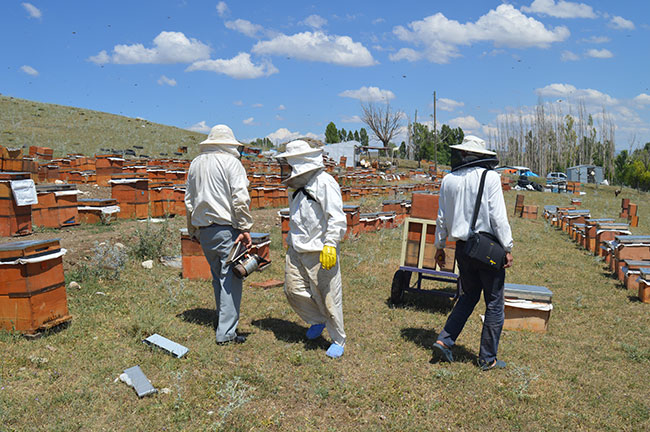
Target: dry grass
590	371
67	130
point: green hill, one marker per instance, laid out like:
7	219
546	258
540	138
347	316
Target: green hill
76	130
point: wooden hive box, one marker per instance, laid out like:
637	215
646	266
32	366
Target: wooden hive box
97	210
161	196
178	200
14	220
132	194
195	265
424	206
644	285
418	249
261	247
32	295
527	307
284	225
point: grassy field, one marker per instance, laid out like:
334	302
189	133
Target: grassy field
76	130
590	371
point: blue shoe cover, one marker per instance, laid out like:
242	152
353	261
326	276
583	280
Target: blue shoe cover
335	351
315	330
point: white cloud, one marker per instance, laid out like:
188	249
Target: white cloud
169	47
569	92
29	70
643	99
168	81
32	10
503	26
352	119
283	135
200	127
489	130
222	8
601	53
569	56
281	107
317	46
468	123
620	23
378	21
369	94
596	39
561	9
238	67
238	103
257	105
279	117
248	121
245	27
314	21
448	104
408	54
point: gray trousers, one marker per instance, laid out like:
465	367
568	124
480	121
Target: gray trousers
216	242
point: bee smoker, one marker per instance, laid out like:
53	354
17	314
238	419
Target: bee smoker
244	263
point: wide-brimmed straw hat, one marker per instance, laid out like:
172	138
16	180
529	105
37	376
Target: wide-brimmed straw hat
299	148
473	144
221	135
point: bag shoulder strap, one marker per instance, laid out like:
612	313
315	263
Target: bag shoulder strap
477	206
304	191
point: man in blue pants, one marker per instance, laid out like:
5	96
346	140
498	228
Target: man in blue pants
458	193
217	203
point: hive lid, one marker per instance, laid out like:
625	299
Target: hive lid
636	263
350	208
528	292
55	188
258	238
10	175
645	273
627	239
28	248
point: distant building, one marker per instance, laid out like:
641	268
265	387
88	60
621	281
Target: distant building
585	174
346	149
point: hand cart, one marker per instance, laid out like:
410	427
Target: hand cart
418	256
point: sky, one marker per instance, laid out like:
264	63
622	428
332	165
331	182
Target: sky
285	69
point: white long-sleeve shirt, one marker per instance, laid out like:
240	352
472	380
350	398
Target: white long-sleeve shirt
217	191
318	222
456	207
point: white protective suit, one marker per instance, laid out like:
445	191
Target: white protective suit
217	190
316	219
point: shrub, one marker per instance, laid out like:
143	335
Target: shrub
105	261
150	243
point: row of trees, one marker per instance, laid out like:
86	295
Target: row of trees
334	135
555	137
634	169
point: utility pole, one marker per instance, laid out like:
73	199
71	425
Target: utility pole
435	135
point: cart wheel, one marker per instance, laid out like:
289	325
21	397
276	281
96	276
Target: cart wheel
401	281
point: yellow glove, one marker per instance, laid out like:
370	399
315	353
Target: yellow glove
328	257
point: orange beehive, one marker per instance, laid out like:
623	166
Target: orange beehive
14	219
106	166
132	194
195	265
32	295
94	211
57	206
161	196
424	206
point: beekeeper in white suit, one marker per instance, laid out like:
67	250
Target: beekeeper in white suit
317	224
218	213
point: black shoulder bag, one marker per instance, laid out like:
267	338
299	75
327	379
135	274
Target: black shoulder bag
482	247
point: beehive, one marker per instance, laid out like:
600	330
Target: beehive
94	211
132	194
527	307
57	206
14	219
32	295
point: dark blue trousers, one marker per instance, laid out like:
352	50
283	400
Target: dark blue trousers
475	280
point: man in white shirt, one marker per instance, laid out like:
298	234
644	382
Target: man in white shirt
317	224
458	193
218	213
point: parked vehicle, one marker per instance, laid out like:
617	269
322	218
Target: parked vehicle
556	176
